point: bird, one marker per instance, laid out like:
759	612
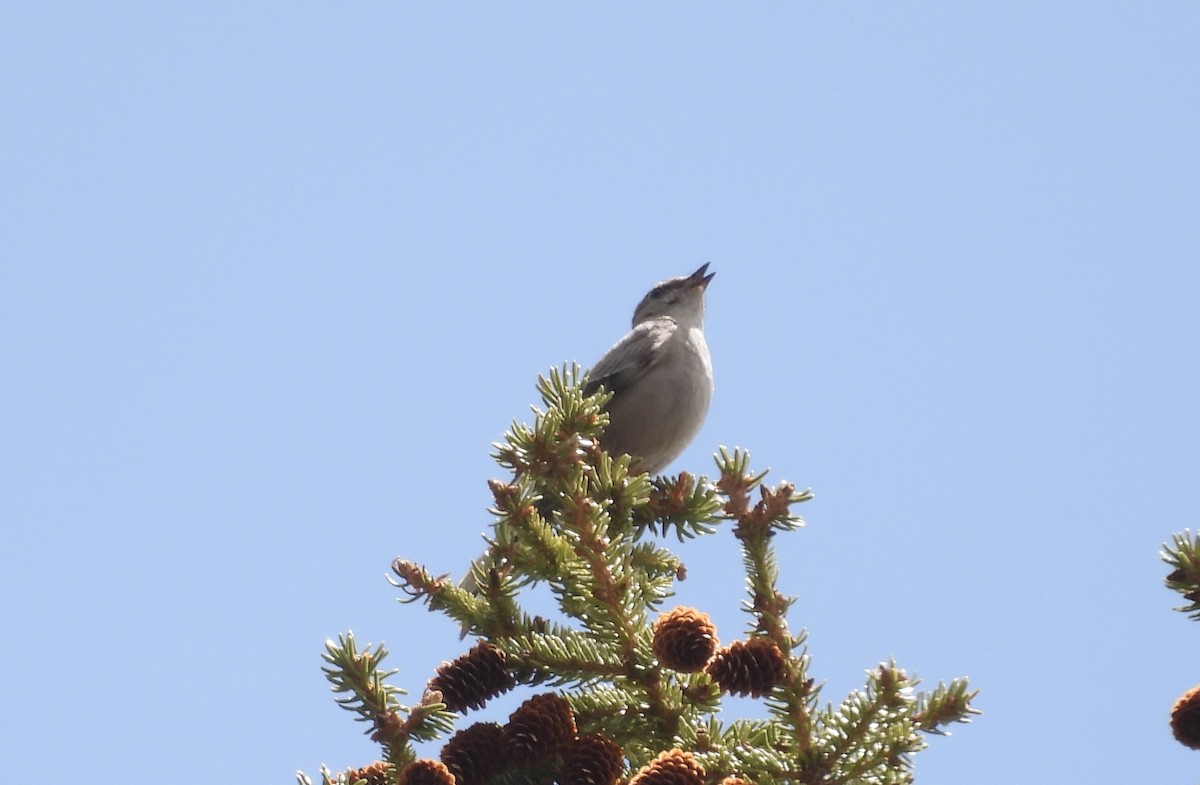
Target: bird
661	380
660	375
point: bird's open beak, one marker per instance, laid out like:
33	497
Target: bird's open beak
699	279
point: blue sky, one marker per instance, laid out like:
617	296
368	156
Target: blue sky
275	276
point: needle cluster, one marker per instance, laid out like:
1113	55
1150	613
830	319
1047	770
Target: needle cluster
1183	555
639	689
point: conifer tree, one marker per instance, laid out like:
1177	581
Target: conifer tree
629	692
1184	557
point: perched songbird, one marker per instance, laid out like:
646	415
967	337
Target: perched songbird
661	379
660	375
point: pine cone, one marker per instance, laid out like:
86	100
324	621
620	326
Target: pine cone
1185	719
473	679
426	772
375	774
475	754
670	768
538	729
684	639
735	781
591	760
751	668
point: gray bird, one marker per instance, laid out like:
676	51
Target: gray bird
661	379
660	375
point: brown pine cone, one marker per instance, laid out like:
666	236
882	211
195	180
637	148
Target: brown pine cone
735	781
684	639
538	729
375	774
473	679
591	760
1185	719
670	768
475	754
426	772
751	668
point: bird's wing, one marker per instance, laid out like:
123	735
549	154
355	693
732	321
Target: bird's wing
630	357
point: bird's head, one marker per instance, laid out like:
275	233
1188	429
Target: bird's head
680	298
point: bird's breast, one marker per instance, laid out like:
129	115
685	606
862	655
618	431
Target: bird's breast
659	415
